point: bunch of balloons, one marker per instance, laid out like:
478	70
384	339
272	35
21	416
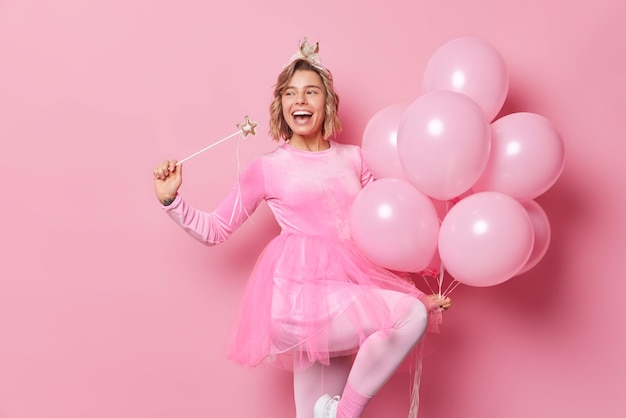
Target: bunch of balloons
456	188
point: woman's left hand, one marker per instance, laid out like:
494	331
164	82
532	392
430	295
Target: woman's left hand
438	301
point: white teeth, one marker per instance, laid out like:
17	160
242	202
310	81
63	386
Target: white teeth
302	113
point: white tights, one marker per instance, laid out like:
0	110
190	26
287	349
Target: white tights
377	359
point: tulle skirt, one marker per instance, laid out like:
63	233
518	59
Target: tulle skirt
299	286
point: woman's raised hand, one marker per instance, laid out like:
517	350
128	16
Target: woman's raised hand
167	179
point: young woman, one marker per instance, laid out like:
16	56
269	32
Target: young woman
313	304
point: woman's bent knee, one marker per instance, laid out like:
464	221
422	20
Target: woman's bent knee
416	318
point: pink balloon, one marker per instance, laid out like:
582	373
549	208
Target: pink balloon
527	156
485	239
395	225
543	234
380	142
472	67
443	143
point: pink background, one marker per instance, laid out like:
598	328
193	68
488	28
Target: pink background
107	309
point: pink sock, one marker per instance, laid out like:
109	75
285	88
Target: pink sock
352	404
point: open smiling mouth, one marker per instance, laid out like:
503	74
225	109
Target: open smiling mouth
302	116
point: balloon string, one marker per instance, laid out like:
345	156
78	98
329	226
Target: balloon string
415	387
440	279
428	284
451	287
207	148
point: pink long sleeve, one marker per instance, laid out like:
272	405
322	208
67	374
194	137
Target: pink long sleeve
214	227
308	193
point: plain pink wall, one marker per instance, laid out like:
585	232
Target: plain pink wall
107	309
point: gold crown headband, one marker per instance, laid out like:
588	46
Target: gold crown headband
309	53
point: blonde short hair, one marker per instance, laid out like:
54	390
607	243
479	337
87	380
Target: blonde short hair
279	129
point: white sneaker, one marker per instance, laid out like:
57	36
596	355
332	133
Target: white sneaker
326	407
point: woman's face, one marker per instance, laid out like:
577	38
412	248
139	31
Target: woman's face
303	103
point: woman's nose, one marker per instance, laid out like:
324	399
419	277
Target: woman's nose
301	98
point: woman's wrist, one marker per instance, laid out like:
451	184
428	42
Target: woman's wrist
168	200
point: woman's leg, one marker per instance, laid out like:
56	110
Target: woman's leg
381	353
311	383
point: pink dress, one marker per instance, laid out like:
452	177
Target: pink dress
312	272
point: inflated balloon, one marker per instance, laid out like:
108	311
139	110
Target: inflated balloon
443	143
527	156
543	234
380	142
485	239
473	67
395	225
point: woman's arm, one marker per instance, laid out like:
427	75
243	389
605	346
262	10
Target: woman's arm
216	226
